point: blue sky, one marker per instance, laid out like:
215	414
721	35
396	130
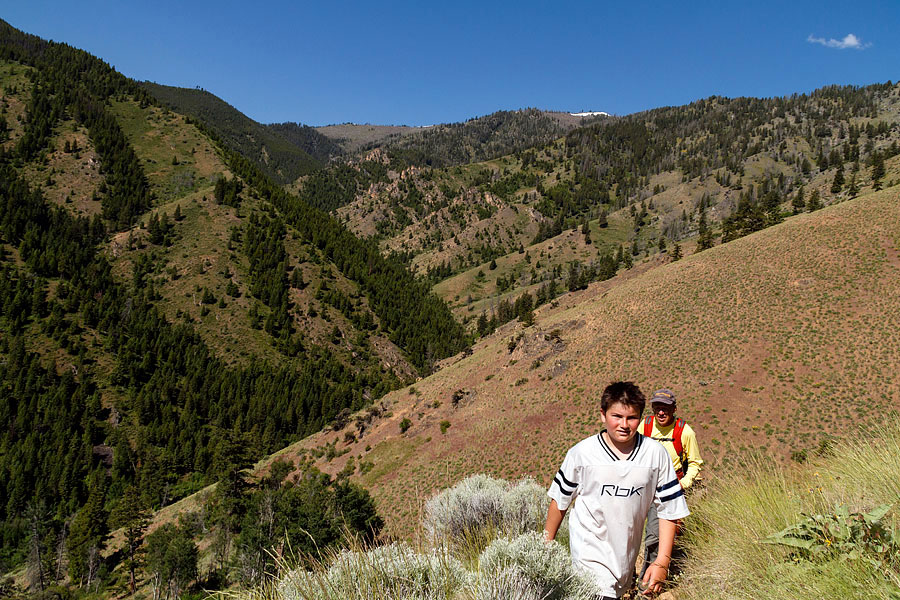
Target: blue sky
419	63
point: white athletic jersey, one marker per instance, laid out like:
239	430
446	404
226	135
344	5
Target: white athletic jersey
614	496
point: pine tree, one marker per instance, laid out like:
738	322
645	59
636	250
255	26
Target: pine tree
772	206
676	252
573	281
602	220
133	517
705	240
877	170
814	202
87	535
798	204
171	560
482	326
838	183
852	188
37	571
233	456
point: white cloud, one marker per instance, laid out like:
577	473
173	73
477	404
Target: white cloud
849	41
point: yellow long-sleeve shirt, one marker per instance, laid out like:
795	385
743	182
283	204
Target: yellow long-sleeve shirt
663	435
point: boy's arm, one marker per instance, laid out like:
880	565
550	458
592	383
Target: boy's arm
554	518
659	569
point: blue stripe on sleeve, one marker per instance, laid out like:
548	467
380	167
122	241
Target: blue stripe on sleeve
680	492
671	484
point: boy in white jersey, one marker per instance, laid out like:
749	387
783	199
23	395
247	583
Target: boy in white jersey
610	480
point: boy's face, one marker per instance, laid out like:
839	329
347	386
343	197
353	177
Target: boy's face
622	421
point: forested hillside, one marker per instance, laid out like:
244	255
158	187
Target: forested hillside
648	186
308	139
170	315
478	139
283	159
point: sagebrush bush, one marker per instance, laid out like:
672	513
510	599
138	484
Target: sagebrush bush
482	507
488	525
524	507
394	571
546	566
508	584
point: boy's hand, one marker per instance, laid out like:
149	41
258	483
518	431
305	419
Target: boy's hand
653	579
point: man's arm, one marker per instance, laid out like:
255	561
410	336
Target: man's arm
692	457
659	569
554	518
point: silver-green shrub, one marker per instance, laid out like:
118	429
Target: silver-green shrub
524	507
546	566
508	584
473	504
482	503
395	571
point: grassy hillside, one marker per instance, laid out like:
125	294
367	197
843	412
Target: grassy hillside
829	503
281	159
16	90
203	254
353	138
755	336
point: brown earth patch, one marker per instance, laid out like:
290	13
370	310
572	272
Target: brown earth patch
893	254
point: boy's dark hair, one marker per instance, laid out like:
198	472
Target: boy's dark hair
623	392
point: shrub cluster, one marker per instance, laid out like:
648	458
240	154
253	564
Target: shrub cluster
394	571
547	568
498	520
481	506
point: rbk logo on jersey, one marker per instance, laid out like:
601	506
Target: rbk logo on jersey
610	489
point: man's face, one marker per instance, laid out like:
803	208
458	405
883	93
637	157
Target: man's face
664	413
622	422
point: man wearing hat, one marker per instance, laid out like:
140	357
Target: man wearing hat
680	441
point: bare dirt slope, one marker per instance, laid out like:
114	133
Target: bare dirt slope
353	137
774	342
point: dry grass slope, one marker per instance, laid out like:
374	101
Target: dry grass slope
773	343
